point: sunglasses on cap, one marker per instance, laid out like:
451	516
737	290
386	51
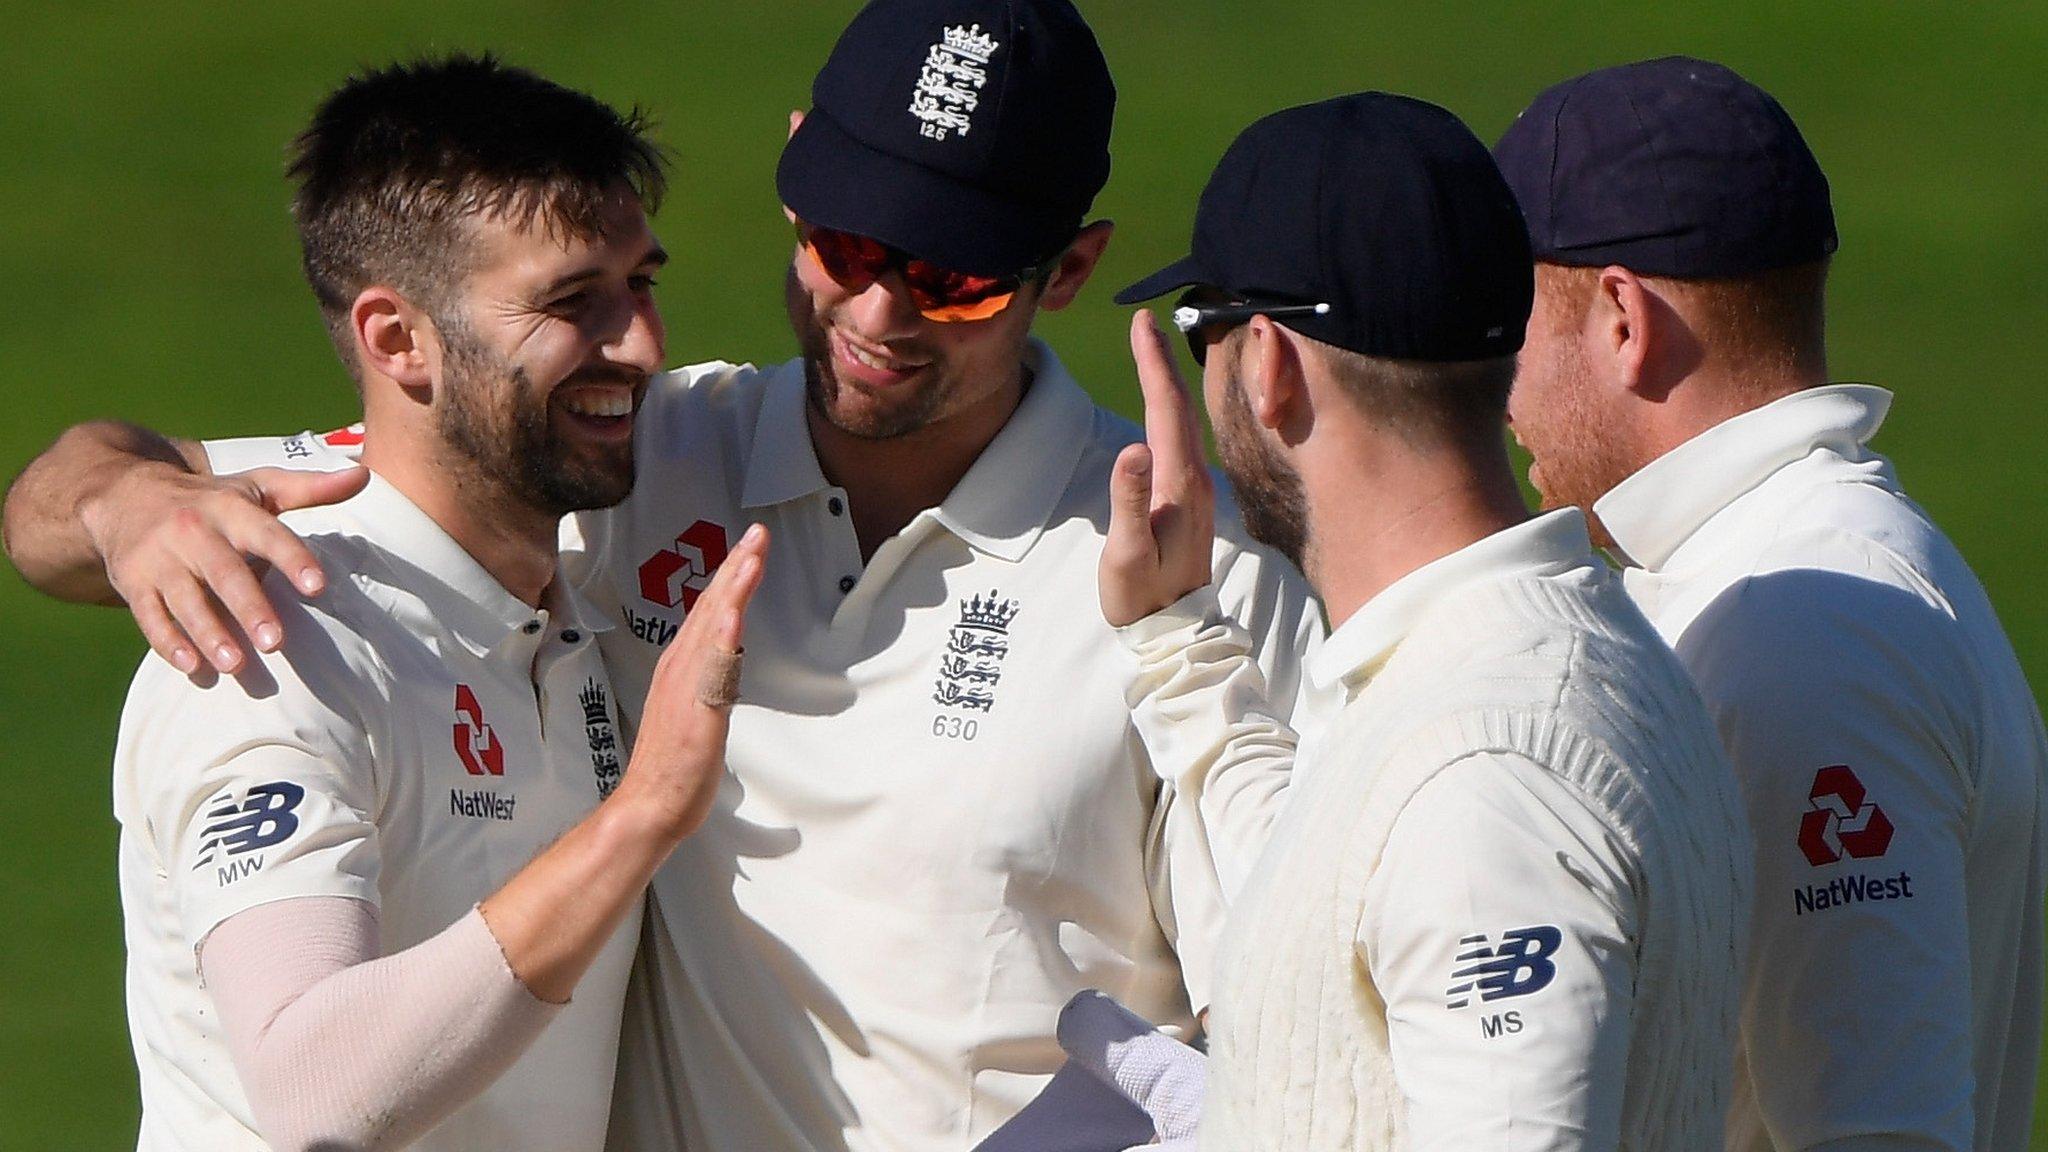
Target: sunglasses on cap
1204	323
854	262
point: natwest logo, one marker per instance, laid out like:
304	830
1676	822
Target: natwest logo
1841	822
677	575
475	742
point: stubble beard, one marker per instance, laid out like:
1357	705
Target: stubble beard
497	422
1579	450
1270	497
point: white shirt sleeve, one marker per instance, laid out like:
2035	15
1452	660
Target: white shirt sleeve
1500	931
258	787
334	451
1835	696
1214	726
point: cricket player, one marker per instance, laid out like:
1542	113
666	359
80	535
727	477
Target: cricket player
1504	906
1674	386
940	823
362	878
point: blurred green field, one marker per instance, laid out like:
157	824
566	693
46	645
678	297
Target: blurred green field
143	228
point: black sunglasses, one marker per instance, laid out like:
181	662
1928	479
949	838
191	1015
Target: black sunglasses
1193	319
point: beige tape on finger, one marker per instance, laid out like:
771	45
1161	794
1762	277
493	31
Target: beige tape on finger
718	686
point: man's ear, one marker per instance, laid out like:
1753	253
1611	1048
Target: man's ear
1622	326
1075	265
1650	341
395	339
1275	380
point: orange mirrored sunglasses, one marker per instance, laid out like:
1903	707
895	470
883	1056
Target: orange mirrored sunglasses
854	262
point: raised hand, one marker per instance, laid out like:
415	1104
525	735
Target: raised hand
185	552
679	752
1162	506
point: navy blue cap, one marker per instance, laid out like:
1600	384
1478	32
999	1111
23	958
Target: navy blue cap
1672	167
970	133
1386	208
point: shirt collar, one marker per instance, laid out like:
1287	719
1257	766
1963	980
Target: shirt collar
782	465
1001	506
1003	502
463	599
1652	513
1548	544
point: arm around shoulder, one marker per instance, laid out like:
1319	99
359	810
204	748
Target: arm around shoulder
57	506
117	514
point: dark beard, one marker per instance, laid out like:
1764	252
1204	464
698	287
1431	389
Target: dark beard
1269	493
822	387
519	451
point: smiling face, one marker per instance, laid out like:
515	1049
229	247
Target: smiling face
546	354
878	370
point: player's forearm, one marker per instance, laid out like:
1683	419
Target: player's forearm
52	507
554	917
337	1047
1200	704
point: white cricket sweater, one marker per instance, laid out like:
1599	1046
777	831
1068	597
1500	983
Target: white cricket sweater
1548	664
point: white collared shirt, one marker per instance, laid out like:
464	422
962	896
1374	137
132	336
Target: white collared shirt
940	822
421	736
1533	951
1494	844
1893	764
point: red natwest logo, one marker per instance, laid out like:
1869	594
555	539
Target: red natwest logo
1840	823
347	437
478	746
677	575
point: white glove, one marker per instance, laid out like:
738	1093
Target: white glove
1126	1087
1152	1070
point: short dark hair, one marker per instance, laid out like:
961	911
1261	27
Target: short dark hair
399	159
1427	403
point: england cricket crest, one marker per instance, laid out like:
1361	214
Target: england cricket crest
972	663
604	742
949	86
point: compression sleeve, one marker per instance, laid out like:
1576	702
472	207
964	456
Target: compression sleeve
338	1047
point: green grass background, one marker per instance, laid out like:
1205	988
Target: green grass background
150	273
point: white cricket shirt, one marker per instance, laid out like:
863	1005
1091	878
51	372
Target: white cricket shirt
1892	760
940	823
422	735
1487	901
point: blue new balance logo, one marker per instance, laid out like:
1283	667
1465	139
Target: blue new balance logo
1519	965
258	820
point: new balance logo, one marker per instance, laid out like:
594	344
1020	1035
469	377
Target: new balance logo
258	820
1840	822
1519	965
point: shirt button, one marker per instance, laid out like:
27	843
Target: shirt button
531	627
846	583
570	636
835	505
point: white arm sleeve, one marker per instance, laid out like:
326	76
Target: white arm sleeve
1500	930
339	1048
1200	704
1214	731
